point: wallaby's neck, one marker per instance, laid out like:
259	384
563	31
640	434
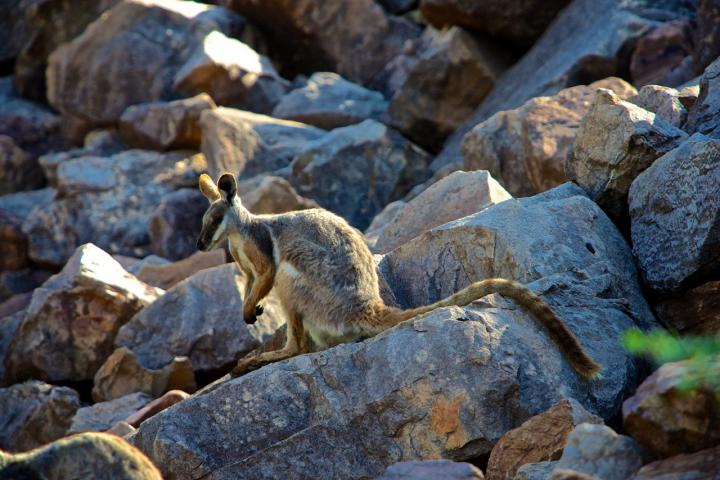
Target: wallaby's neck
239	217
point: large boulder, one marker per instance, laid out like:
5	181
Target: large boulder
165	125
674	215
541	438
70	325
165	275
453	197
103	415
175	224
8	326
354	39
355	171
329	101
695	466
598	451
617	140
449	79
662	55
667	419
521	22
703	116
664	102
14	210
525	148
34	413
49	25
107	200
144	43
695	311
432	469
207	326
273	195
587	41
14	30
707	34
89	455
122	374
247	144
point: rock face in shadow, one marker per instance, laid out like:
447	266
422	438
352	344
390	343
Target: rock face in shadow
69	327
88	455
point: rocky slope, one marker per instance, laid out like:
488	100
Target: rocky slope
573	146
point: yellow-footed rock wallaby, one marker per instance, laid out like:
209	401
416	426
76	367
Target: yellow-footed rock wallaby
325	278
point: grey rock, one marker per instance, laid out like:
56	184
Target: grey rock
453	197
432	469
14	210
15	29
34	413
33	127
107	200
247	144
8	327
176	223
535	471
615	143
585	42
134	52
423	108
707	34
703	116
101	416
674	215
664	102
69	327
88	455
18	170
355	171
165	125
207	325
597	450
15	282
701	465
329	101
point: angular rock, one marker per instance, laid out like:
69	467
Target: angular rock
707	34
382	220
541	438
176	223
34	128
68	330
122	374
14	30
355	40
432	469
144	43
521	22
453	197
166	275
88	455
598	451
615	143
429	388
703	116
668	420
696	311
275	195
355	171
695	466
165	125
156	406
535	471
525	148
232	73
207	324
50	24
101	416
247	144
662	55
329	101
15	304
424	107
8	327
586	42
15	282
664	102
107	200
674	215
34	413
14	210
18	170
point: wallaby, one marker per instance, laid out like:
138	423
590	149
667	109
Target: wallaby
325	278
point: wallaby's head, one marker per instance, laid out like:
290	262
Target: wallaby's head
217	218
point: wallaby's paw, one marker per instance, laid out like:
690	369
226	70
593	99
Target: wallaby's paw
259	310
246	364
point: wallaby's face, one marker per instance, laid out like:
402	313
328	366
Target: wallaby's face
215	221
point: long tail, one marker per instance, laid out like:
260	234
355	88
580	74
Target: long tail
563	337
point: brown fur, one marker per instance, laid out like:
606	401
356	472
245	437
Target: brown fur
325	278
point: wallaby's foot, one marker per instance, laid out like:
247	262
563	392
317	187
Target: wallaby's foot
259	310
247	364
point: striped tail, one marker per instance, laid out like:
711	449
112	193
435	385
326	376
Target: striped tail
561	335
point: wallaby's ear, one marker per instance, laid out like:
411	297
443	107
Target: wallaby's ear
208	188
227	186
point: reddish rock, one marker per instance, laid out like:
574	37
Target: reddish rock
702	465
167	400
668	420
662	56
707	34
696	311
176	223
168	274
275	195
539	439
18	170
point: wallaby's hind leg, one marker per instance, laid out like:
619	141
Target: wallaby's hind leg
295	344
